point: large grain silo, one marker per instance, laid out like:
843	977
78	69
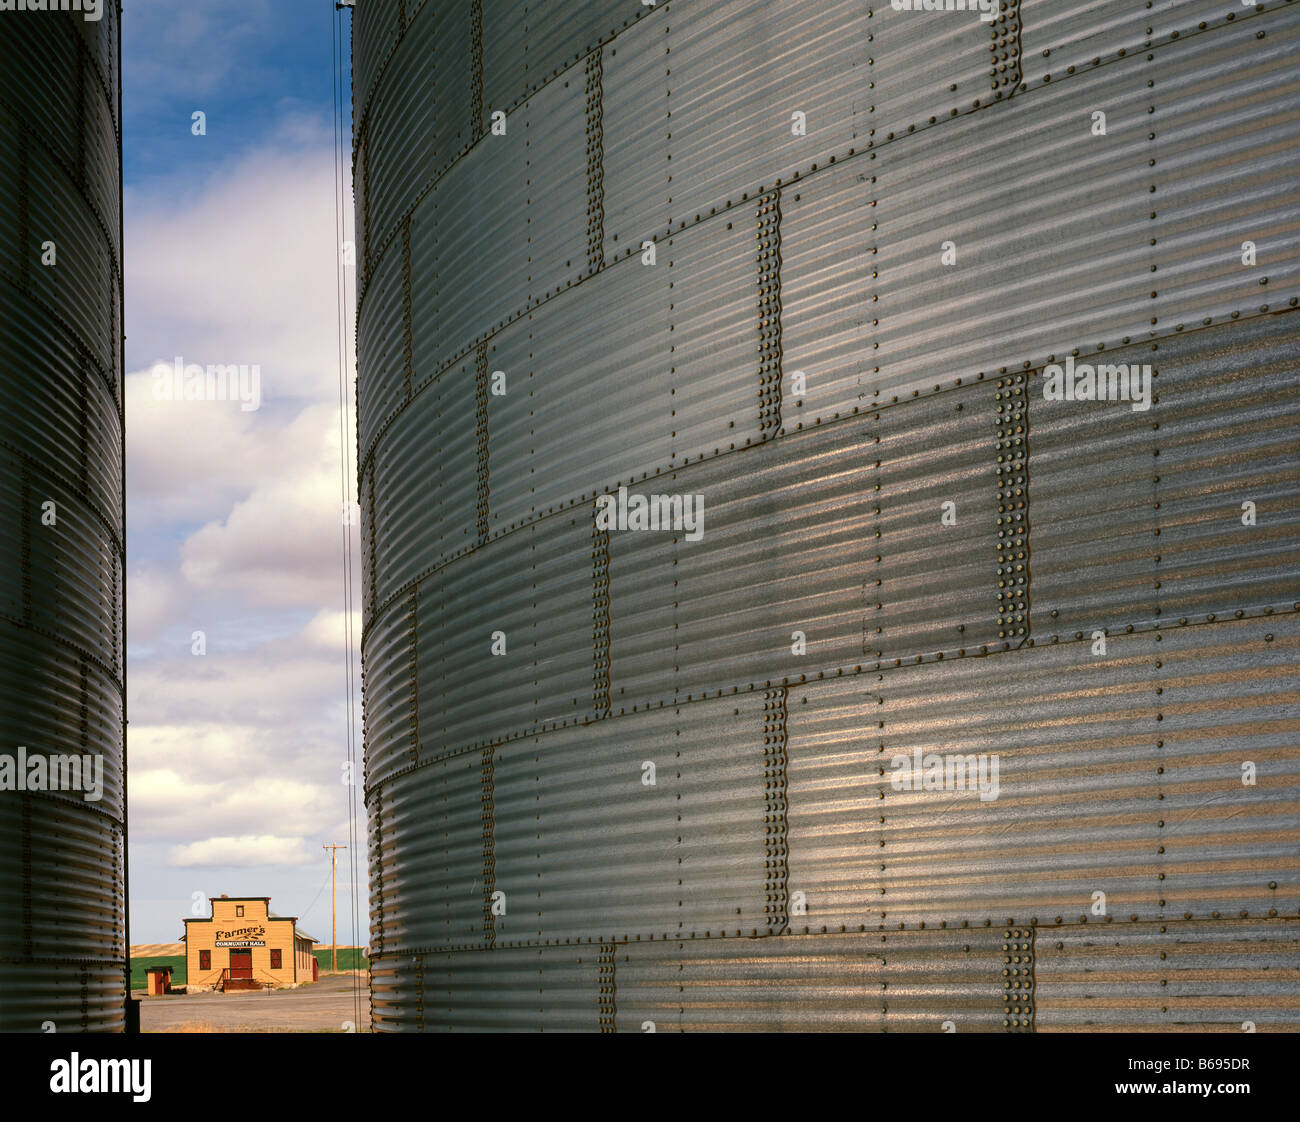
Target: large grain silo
970	703
62	697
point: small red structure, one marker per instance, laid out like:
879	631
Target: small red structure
160	979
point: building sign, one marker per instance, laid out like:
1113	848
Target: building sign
242	937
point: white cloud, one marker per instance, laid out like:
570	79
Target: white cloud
244	267
328	630
245	851
283	543
154	601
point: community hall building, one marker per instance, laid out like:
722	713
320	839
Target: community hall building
242	946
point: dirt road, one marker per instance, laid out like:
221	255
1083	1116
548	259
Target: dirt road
324	1006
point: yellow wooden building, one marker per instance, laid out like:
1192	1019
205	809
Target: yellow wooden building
242	946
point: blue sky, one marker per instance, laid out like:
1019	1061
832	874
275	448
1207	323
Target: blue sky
235	516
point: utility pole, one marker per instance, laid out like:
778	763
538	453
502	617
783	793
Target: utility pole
334	914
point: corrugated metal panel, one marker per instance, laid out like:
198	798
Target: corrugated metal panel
1075	808
1226	123
527	587
534	990
714	352
727	607
390	726
1152	531
881	472
635	162
74	406
1199	976
1051	251
525	45
418	123
1229	415
925	68
1060	39
683	856
737	72
430	453
62	917
559	361
555	170
381	341
1230	788
375	29
482	264
900	982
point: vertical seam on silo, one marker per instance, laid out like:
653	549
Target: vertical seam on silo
1005	49
476	70
607	987
596	160
408	364
401	18
1012	407
601	621
482	479
413	664
1018	982
768	237
776	863
488	776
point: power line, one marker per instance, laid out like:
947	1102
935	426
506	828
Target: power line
345	464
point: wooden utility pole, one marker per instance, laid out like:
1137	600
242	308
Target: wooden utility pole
334	914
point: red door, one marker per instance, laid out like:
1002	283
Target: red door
241	964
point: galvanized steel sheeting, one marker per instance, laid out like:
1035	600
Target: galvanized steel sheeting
62	921
800	357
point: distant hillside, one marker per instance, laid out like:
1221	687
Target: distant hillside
157	950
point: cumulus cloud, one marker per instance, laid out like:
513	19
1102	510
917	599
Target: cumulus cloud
243	269
244	851
155	598
328	629
283	543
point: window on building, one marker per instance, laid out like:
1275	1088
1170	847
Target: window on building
276	962
205	960
239	909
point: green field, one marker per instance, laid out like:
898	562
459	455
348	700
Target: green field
350	958
140	965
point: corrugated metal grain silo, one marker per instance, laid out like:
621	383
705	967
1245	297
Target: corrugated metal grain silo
971	700
62	698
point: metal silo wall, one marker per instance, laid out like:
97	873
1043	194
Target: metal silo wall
62	900
800	355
